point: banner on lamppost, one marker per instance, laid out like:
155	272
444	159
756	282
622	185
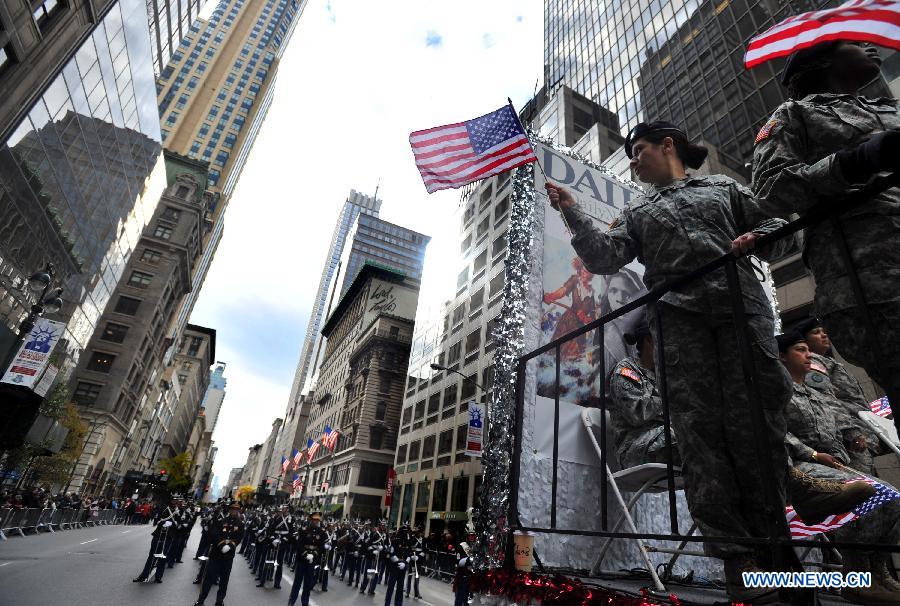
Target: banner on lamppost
389	490
34	354
43	386
475	432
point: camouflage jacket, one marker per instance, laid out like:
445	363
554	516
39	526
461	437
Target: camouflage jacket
636	413
812	426
843	391
677	228
795	168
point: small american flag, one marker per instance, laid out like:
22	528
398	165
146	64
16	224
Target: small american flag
285	463
313	449
297	483
875	21
882	495
454	155
325	435
298	456
881	406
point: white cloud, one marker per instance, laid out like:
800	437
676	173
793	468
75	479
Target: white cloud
349	92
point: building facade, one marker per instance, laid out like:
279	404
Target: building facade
81	166
215	396
359	393
170	21
214	95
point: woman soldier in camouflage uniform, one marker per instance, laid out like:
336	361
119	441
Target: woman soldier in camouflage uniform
680	223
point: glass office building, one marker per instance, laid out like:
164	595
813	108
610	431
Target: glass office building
81	175
676	60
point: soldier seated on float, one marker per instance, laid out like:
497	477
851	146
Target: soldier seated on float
636	411
843	392
816	447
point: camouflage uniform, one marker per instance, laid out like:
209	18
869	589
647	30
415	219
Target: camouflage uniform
795	168
636	415
811	429
844	396
671	230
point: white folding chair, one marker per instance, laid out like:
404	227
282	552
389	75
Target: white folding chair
639	480
884	428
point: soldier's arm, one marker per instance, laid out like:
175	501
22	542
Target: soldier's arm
603	252
782	179
634	406
751	218
797	449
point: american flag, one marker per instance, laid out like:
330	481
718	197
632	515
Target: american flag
881	406
875	21
297	482
882	495
333	438
453	155
298	456
312	450
285	463
326	435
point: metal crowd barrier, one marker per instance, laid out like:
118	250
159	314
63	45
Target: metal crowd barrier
440	565
33	520
778	539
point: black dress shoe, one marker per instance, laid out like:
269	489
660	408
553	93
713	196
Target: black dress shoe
276	587
197	582
139	580
260	584
157	580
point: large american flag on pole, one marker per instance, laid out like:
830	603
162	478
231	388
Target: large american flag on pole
875	21
454	155
312	449
298	456
883	494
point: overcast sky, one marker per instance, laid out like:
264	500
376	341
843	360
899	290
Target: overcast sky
357	78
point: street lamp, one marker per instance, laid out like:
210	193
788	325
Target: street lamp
435	366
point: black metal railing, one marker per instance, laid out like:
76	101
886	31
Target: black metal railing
779	538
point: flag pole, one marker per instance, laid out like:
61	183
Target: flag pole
537	161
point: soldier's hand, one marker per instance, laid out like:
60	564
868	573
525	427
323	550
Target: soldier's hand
823	458
560	198
860	444
743	244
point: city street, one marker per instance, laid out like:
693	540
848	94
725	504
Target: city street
94	566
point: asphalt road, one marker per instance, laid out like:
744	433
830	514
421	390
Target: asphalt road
94	567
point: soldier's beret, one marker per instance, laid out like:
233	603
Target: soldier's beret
786	340
650	128
806	324
799	60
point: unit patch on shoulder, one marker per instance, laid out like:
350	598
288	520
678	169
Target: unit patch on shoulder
766	130
630	374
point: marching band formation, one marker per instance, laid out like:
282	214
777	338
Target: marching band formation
361	553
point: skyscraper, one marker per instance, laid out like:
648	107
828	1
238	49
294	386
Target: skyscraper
215	396
214	95
169	24
676	60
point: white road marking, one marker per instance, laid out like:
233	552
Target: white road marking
5	564
86	542
125	531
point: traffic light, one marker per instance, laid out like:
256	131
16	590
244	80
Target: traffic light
163	476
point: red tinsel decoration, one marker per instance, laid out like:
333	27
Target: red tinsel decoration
556	590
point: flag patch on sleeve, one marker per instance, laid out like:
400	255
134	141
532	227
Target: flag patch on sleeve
818	367
766	130
630	374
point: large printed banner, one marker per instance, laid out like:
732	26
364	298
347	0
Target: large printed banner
34	354
573	296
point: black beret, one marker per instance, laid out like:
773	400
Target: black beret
805	325
801	58
649	128
788	339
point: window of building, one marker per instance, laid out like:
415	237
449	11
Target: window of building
453	353
468	388
487	378
86	393
489	328
151	256
162	232
423	495
473	341
460	496
414	451
439	500
194	347
466	244
428	447
450	395
380	411
434	403
114	332
401	454
140	279
501	208
45	12
477	299
445	442
480	262
496	285
407	416
499	245
461	437
420	409
462	278
172	214
458	314
221	158
376	438
373	475
127	306
100	362
483	227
